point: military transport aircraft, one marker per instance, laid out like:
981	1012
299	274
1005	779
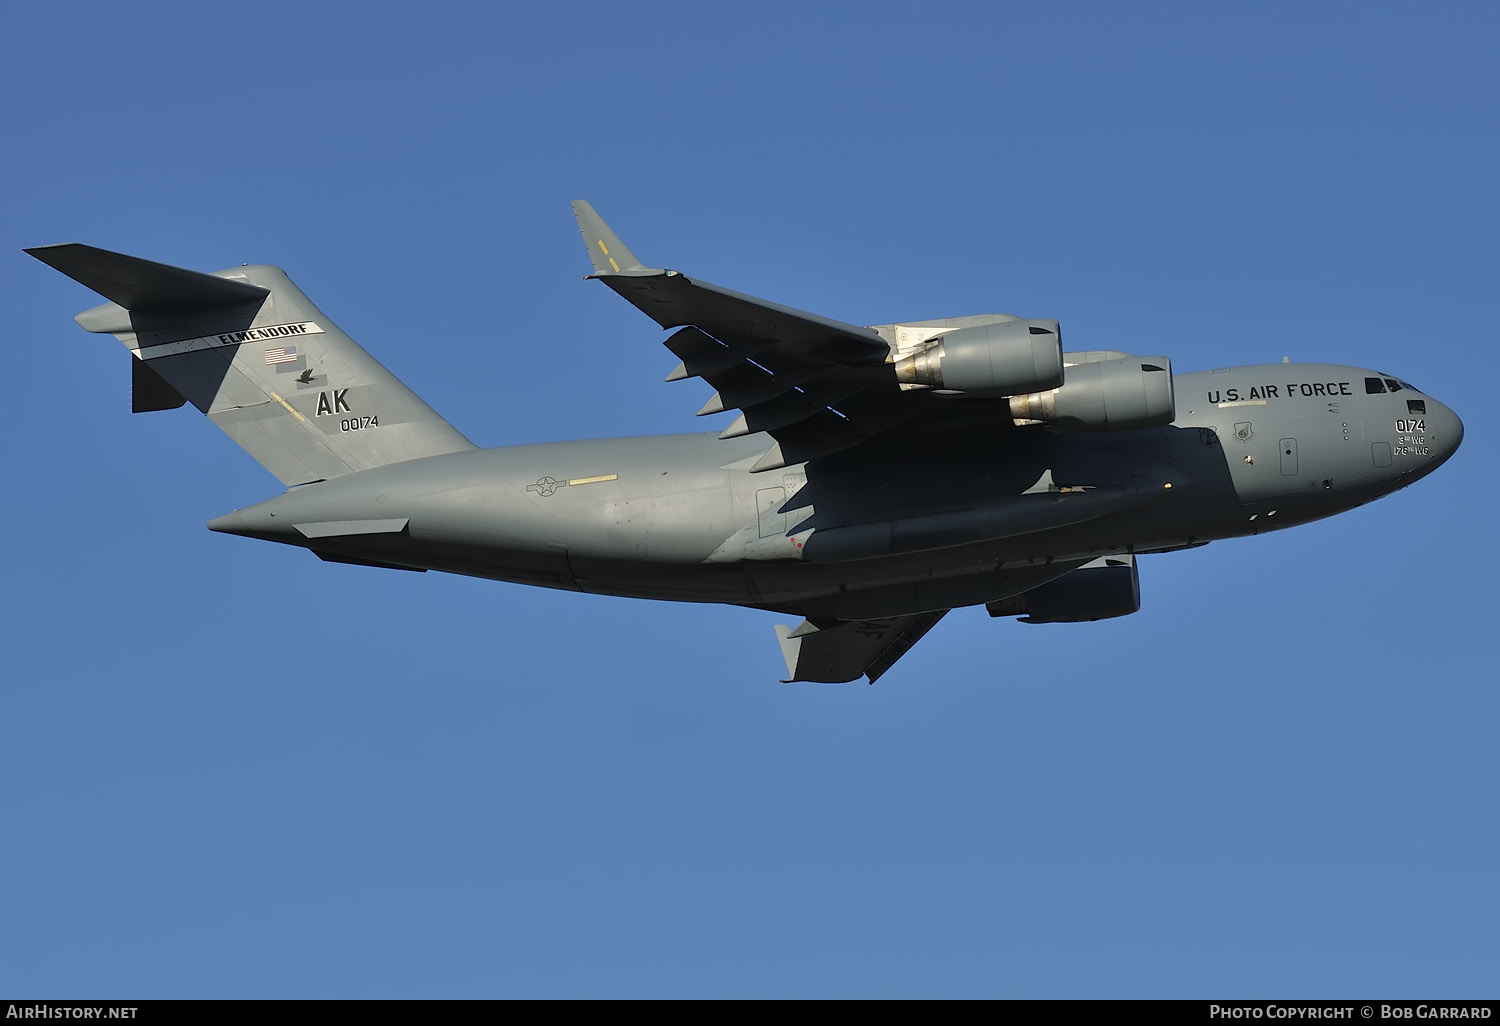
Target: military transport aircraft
874	478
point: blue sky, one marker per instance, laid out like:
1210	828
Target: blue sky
229	769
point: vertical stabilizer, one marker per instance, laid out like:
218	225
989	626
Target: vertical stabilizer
248	349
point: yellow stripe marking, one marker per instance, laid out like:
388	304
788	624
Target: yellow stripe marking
603	246
288	406
613	264
593	480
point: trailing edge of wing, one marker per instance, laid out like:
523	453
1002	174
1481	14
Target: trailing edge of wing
816	385
844	650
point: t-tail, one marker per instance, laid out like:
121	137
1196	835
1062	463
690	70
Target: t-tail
247	348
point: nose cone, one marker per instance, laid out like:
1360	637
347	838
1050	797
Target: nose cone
1445	430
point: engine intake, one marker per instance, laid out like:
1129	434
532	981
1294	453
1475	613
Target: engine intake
1111	395
989	360
1100	590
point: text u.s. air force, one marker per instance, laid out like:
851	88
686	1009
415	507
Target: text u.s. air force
1308	389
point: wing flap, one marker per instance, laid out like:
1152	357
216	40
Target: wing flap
829	431
815	385
703	357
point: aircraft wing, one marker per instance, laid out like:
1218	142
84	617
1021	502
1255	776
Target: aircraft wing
843	650
817	386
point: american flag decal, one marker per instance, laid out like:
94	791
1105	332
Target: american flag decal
281	354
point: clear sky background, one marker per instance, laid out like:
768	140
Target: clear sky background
230	769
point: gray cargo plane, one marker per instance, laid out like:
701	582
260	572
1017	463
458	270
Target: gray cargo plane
874	478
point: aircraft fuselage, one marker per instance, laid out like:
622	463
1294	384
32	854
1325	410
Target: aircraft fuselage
909	525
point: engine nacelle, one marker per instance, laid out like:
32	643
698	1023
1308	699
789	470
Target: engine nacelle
1111	395
989	360
1099	590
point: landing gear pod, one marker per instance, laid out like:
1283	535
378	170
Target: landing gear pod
1100	590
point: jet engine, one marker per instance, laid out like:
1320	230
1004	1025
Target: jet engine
1111	395
1105	588
989	360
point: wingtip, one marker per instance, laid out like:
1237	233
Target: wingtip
41	252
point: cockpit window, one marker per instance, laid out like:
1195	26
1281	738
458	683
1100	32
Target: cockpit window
1395	386
1416	406
1374	386
1409	385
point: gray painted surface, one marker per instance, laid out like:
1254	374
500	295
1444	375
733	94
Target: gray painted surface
863	504
247	348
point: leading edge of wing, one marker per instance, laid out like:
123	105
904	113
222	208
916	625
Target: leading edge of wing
845	650
673	300
783	368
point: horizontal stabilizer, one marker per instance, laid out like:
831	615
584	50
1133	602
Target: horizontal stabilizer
145	286
248	349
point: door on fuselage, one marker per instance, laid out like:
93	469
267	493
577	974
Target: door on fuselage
1289	457
767	502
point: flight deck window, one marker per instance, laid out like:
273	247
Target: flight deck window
1394	385
1408	384
1374	386
1416	406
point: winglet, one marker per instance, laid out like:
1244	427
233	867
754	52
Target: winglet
606	252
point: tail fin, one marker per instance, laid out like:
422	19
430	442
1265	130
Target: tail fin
247	348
